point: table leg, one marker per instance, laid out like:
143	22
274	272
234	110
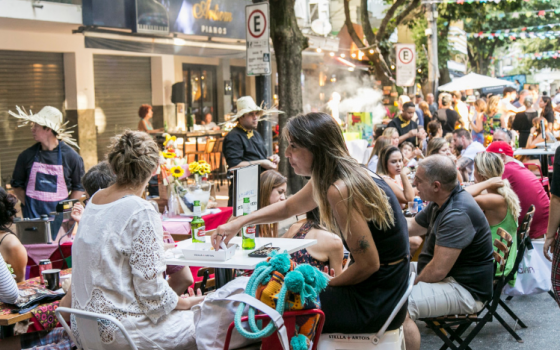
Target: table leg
223	276
544	163
196	147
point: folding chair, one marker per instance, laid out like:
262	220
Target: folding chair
444	326
382	340
87	324
523	242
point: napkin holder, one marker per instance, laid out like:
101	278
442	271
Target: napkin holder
203	252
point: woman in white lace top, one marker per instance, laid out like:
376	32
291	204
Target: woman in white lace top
118	258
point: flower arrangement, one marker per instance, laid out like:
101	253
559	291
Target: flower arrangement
200	168
172	167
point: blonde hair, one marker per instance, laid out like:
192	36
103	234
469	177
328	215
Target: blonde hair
133	157
489	165
435	145
388	132
270	180
319	133
492	105
380	143
425	107
480	103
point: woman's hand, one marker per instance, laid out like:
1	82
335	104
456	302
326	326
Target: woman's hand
224	233
77	211
549	244
533	130
418	152
187	301
495	183
330	274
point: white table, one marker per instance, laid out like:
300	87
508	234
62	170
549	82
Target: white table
241	260
533	152
537	152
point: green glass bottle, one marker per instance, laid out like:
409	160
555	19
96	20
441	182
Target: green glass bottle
198	228
248	231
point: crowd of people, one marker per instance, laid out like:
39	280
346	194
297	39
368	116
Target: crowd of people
457	158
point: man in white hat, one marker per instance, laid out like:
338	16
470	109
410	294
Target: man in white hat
243	145
49	171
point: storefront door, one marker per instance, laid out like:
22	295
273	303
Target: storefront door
201	91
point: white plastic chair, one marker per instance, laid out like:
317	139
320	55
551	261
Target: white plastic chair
391	340
88	328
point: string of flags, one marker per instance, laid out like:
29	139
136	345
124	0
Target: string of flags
532	56
462	2
528	32
542	14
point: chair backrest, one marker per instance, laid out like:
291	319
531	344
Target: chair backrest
88	325
532	167
504	245
404	298
209	146
523	230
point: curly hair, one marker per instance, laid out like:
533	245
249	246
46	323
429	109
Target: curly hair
143	111
133	157
7	208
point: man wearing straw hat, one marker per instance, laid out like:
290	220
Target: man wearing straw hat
243	145
49	171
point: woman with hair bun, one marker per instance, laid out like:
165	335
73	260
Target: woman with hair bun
120	248
11	249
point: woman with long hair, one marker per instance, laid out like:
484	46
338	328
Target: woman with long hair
477	125
11	249
426	110
523	121
327	253
439	145
354	203
121	258
391	168
393	135
273	190
493	117
380	143
496	198
546	111
535	135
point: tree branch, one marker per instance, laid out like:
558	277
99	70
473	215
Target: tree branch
350	26
388	16
401	16
368	31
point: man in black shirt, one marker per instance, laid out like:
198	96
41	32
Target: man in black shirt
243	145
49	171
404	124
446	115
455	268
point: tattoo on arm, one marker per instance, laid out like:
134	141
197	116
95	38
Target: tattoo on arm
363	246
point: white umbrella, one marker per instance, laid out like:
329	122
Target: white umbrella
474	81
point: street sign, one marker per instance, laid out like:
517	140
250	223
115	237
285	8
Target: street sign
258	46
406	64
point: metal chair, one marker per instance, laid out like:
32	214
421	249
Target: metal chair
451	328
382	340
87	324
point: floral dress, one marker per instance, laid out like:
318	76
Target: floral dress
489	125
302	256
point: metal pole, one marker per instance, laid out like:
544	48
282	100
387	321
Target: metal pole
434	40
262	84
264	97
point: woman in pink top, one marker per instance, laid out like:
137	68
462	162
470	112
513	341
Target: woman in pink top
527	187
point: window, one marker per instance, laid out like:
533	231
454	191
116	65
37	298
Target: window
201	91
238	75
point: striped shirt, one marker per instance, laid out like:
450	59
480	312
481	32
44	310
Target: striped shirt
8	287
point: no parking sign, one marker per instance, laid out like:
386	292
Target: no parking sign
406	64
258	47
